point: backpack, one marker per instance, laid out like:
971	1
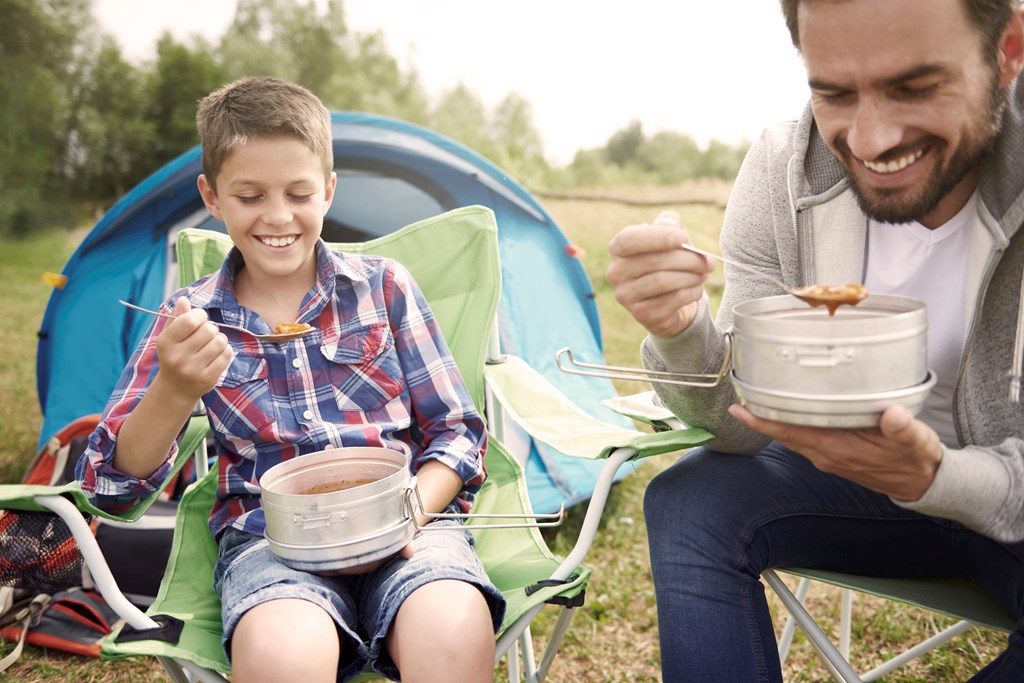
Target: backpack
75	620
47	595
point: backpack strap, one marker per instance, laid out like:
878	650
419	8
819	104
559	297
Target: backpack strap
19	617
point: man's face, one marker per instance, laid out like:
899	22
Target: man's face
904	97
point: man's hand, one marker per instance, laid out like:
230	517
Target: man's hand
193	353
653	278
899	458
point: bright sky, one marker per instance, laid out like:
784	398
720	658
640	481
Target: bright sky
720	70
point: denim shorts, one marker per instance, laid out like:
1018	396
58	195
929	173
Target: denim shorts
362	605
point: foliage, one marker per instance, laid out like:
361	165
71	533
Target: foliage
110	130
83	124
181	76
39	42
667	158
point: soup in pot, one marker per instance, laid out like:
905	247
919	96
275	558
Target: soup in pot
332	486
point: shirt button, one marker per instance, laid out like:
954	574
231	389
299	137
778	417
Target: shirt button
308	415
297	363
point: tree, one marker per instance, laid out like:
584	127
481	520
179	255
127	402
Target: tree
519	144
461	115
295	41
111	135
180	78
670	157
722	160
38	60
624	146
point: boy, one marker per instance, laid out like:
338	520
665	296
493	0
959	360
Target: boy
375	372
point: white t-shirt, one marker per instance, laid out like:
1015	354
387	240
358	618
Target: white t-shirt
930	265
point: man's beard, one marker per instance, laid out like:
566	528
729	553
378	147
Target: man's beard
891	205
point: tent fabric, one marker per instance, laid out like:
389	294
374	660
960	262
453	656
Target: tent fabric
390	174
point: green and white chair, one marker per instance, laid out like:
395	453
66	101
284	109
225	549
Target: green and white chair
454	258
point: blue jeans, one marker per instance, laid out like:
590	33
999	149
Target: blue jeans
716	521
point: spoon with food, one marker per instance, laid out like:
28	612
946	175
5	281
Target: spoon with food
282	331
829	296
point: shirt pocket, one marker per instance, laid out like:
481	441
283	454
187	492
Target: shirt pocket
241	404
364	368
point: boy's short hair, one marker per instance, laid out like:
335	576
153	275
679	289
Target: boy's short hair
261	107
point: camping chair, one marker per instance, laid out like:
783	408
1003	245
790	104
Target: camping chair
959	599
454	258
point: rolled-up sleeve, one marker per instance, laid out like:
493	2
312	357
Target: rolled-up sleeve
108	488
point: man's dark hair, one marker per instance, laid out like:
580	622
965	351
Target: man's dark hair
989	17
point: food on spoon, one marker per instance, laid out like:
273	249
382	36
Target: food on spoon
291	328
832	296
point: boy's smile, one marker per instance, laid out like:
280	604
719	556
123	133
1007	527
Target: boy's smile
272	196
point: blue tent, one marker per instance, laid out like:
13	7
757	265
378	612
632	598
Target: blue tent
390	173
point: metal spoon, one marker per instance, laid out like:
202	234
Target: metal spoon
815	295
261	337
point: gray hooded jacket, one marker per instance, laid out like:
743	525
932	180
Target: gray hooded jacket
793	214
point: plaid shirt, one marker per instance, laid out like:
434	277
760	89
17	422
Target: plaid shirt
376	372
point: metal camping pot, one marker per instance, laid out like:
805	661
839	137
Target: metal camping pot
795	363
337	508
779	343
346	507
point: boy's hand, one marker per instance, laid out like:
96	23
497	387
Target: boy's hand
406	552
193	352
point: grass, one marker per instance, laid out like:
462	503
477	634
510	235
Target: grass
614	637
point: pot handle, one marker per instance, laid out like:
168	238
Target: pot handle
414	508
652	376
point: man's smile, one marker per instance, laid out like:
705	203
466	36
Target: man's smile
886	167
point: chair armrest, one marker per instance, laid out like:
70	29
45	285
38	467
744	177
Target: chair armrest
643	407
547	415
23	496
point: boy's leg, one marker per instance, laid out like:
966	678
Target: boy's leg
461	642
285	640
433	616
281	624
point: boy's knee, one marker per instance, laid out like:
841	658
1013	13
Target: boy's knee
452	612
284	635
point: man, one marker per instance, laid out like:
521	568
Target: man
906	174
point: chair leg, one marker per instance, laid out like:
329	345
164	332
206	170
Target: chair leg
527	658
786	639
174	670
918	650
558	632
845	622
843	673
513	663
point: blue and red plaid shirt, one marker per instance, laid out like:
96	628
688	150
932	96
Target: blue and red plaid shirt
376	372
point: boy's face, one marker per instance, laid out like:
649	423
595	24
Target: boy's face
272	197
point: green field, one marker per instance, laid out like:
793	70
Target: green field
614	636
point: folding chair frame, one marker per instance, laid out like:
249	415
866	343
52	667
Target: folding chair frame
981	611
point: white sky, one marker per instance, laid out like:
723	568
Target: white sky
706	68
